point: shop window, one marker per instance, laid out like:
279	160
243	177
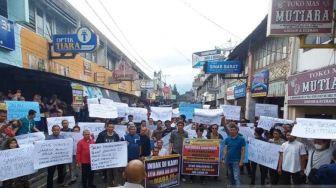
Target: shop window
3	8
48	29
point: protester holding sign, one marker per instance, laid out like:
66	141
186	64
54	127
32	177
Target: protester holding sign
162	151
292	161
83	159
20	182
263	170
27	124
133	143
234	153
56	129
276	133
145	142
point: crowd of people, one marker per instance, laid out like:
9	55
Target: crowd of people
301	160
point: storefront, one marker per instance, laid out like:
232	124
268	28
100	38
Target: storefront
313	94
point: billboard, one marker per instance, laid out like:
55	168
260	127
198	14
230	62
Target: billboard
199	58
222	67
313	88
7	39
298	17
240	91
260	84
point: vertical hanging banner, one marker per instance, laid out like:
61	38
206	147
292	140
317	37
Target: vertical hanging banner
162	171
201	157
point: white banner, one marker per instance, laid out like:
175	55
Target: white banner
107	110
263	153
58	121
231	112
30	138
269	110
139	114
108	155
315	128
93	101
122	109
52	152
161	113
94	128
267	122
121	130
208	116
175	112
206	106
16	162
247	132
76	137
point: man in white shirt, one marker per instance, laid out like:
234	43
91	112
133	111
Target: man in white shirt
163	151
292	161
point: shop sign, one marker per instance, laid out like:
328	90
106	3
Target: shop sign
222	67
199	58
240	91
83	41
276	89
230	93
77	94
87	68
7	38
298	17
99	77
316	88
260	84
146	84
122	86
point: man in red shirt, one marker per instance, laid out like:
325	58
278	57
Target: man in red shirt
84	161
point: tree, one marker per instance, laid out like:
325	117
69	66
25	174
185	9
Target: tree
175	92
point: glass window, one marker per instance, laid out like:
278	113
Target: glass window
39	22
48	29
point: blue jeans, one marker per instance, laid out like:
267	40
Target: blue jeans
234	173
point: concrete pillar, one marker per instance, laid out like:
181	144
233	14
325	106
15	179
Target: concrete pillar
250	102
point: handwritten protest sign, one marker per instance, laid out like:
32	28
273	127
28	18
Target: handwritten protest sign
206	106
122	109
315	128
16	162
19	109
267	122
108	155
231	112
30	138
208	116
94	128
108	110
58	121
201	157
139	114
264	153
162	172
247	132
121	130
93	101
175	112
268	110
188	109
52	152
76	137
161	113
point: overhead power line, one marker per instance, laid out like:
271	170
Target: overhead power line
210	20
123	35
101	20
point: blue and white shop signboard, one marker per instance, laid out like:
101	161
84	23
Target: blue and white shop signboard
222	67
7	39
83	41
240	91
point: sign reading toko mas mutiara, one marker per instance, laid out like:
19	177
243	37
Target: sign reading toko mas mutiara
297	17
316	87
83	41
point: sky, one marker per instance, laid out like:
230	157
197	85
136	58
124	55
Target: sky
163	34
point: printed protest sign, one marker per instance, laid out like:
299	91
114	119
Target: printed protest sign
264	153
201	157
139	114
20	109
161	113
52	152
30	138
106	110
315	128
267	122
269	110
231	112
16	162
108	155
208	116
162	172
58	121
94	128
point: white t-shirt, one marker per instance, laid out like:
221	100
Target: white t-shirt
291	152
320	158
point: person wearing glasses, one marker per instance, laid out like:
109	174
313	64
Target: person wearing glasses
214	133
